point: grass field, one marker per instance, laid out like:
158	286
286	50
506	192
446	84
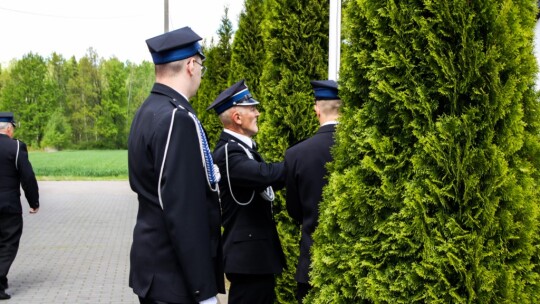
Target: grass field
80	165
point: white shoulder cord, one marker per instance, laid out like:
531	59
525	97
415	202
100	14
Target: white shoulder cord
17	157
267	194
229	179
214	174
165	157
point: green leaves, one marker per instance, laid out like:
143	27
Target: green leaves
432	196
77	104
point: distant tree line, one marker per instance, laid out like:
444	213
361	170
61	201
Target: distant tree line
69	103
433	194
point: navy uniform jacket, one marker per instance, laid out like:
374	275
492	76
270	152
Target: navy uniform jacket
250	240
306	177
12	177
176	252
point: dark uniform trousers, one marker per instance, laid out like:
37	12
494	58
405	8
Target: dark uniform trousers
255	288
11	226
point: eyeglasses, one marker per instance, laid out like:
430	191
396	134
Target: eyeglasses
203	68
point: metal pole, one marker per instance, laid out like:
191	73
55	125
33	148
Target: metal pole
166	18
334	41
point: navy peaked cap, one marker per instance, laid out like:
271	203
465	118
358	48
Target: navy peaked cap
236	95
174	45
7	117
325	89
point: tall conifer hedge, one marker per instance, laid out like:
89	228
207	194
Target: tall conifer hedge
215	80
248	51
433	195
295	34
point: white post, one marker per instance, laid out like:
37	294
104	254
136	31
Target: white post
166	16
334	42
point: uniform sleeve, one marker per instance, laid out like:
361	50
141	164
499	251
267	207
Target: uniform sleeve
246	172
292	196
185	205
28	178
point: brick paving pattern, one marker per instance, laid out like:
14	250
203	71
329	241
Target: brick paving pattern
76	248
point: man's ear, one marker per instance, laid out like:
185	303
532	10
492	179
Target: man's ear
190	66
236	117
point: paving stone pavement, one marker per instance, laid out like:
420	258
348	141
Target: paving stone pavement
76	248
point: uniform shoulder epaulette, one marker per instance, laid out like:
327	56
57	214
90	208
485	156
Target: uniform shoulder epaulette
231	140
176	104
234	141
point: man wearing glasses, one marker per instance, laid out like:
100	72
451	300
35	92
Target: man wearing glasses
176	253
15	171
203	68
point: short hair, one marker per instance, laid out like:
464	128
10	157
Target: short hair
329	106
171	68
4	125
225	117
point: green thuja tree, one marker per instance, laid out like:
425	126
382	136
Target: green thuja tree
248	50
433	194
296	42
215	80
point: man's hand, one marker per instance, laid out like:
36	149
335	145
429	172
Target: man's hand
34	210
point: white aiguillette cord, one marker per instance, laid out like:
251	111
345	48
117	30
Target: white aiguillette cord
17	157
267	194
212	172
228	176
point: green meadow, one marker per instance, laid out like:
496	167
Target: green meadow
80	165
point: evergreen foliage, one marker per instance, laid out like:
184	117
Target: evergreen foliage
215	80
248	51
433	195
295	37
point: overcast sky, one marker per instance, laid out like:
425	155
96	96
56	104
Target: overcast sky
112	27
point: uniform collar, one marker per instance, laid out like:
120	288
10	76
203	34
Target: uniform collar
174	95
327	128
246	140
331	122
183	96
